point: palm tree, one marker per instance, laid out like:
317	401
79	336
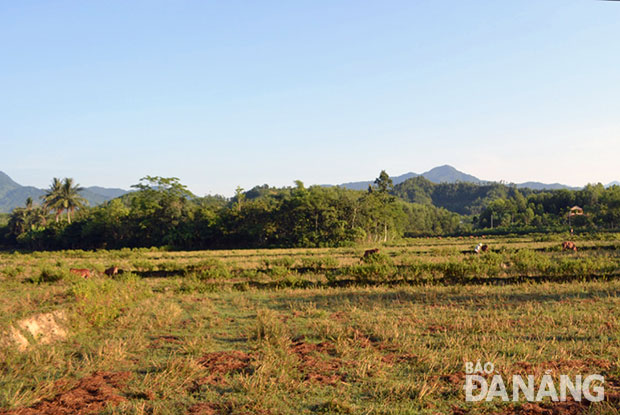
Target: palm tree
35	215
52	199
18	221
70	198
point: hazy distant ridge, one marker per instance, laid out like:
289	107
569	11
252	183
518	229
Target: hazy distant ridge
14	195
448	174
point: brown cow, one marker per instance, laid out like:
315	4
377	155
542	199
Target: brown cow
370	252
111	271
82	272
569	245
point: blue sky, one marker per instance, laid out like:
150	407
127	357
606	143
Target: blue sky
231	93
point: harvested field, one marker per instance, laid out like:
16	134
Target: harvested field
307	330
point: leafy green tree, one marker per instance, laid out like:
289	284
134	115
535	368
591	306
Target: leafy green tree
379	204
160	211
27	218
239	197
384	182
610	211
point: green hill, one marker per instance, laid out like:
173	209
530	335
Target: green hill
14	195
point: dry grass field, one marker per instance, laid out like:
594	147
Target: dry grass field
300	331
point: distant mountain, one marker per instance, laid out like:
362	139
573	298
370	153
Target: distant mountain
364	185
6	184
441	174
111	193
448	174
14	195
614	183
545	186
17	197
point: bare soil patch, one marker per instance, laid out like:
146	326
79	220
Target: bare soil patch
219	364
555	408
316	362
456	378
205	408
166	339
43	328
91	394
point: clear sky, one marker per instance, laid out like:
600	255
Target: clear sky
228	93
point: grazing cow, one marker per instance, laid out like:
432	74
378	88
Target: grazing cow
82	272
568	245
111	271
369	252
481	248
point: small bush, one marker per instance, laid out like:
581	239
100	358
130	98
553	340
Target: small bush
13	272
143	265
318	263
377	258
100	301
209	269
170	266
50	274
269	328
195	285
284	262
373	272
278	271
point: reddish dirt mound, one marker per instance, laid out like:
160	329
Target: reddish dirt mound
205	408
457	378
459	411
393	353
221	363
556	408
393	358
91	394
315	368
208	408
437	328
363	340
303	349
162	340
339	316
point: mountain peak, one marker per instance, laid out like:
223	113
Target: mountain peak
448	174
5	180
6	184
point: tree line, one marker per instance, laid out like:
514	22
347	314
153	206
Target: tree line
161	211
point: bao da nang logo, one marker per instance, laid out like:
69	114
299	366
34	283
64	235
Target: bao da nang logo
478	387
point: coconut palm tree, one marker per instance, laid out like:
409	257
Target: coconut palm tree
37	217
70	198
52	199
18	221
